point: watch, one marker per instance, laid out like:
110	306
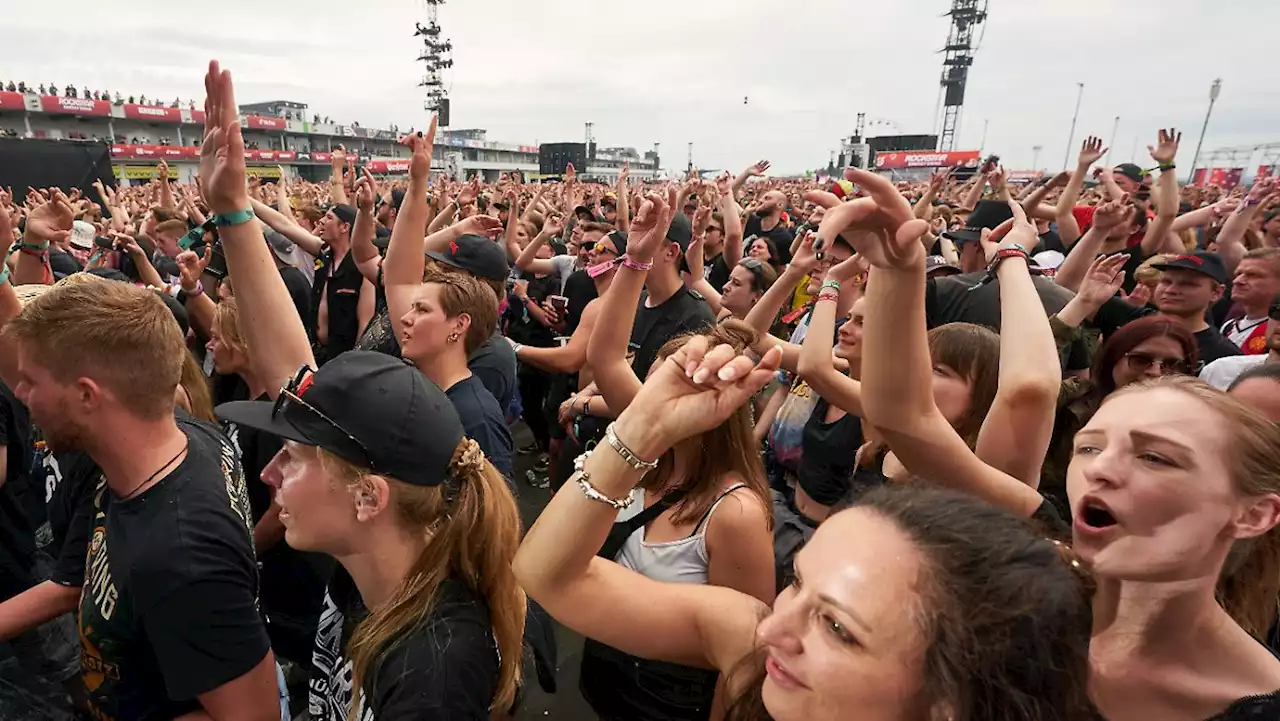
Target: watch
239	217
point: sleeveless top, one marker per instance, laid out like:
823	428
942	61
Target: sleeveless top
619	686
679	561
1252	708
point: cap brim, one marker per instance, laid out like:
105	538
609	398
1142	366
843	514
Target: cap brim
441	257
257	415
963	236
1168	266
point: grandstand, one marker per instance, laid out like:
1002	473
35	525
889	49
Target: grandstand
278	133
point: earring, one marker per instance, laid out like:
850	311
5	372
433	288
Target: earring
453	338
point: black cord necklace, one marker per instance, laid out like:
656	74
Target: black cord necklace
151	477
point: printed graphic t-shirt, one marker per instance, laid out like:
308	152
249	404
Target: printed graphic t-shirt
169	605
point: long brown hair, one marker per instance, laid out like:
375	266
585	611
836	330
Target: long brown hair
728	449
973	351
196	389
1249	584
1005	616
472	527
1130	336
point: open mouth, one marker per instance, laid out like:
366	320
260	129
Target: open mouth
1096	515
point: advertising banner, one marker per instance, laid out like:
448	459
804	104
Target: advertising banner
262	122
1225	177
262	172
388	166
155	152
11	101
153	113
924	159
1264	172
142	172
197	117
74	106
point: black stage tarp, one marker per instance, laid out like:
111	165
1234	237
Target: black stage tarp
65	164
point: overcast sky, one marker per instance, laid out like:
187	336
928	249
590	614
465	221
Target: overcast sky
677	71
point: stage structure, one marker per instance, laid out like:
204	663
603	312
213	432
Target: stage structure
436	56
967	18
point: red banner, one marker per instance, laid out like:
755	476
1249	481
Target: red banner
155	152
152	113
1264	172
11	101
325	158
197	117
74	106
263	122
388	166
924	159
1225	177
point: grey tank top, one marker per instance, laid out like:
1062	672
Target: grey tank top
680	561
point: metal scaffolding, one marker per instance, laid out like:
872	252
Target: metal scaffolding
967	18
436	56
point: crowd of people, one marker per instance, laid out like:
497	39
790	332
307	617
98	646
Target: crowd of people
819	450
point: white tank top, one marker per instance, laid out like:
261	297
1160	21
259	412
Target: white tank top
680	561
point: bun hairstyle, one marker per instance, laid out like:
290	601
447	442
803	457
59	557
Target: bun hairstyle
1249	584
1005	615
472	528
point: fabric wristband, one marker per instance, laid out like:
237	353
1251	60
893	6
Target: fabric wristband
632	263
24	245
4	273
239	217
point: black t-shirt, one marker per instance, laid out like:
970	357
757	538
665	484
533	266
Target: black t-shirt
445	668
684	312
1213	345
380	335
1050	240
169	609
63	263
580	289
299	290
1252	708
483	421
494	363
69	479
717	272
17	533
292	581
522	327
950	300
780	235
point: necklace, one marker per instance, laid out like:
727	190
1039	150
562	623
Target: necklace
151	477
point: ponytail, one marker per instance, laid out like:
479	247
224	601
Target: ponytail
472	526
1249	587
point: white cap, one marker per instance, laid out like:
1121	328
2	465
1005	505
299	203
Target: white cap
1049	259
82	235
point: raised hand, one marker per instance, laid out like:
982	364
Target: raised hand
1016	232
190	266
485	225
570	174
222	152
1104	277
1059	181
693	391
554	226
50	220
338	158
365	192
701	219
1091	151
1112	213
1166	149
423	146
649	229
1140	296
756	170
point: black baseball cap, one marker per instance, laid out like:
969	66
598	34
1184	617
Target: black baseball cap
585	209
936	265
681	231
1130	171
1209	264
397	197
986	215
345	213
477	255
382	238
386	416
619	240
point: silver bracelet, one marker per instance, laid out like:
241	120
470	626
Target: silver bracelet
631	458
584	482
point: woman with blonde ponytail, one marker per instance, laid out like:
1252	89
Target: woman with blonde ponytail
423	617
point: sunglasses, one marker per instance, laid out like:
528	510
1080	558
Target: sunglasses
602	248
1140	362
291	395
757	271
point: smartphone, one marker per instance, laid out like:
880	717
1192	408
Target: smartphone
218	263
990	164
104	242
559	303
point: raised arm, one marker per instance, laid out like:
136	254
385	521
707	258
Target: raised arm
1105	218
1164	153
624	200
276	337
405	263
607	352
337	161
700	625
1090	152
897	390
363	250
200	307
815	363
1231	239
731	215
166	190
1016	432
289	229
694	279
751	172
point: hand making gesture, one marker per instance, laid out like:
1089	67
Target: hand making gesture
222	152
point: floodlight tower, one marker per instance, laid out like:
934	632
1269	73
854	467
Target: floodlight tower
967	18
435	56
